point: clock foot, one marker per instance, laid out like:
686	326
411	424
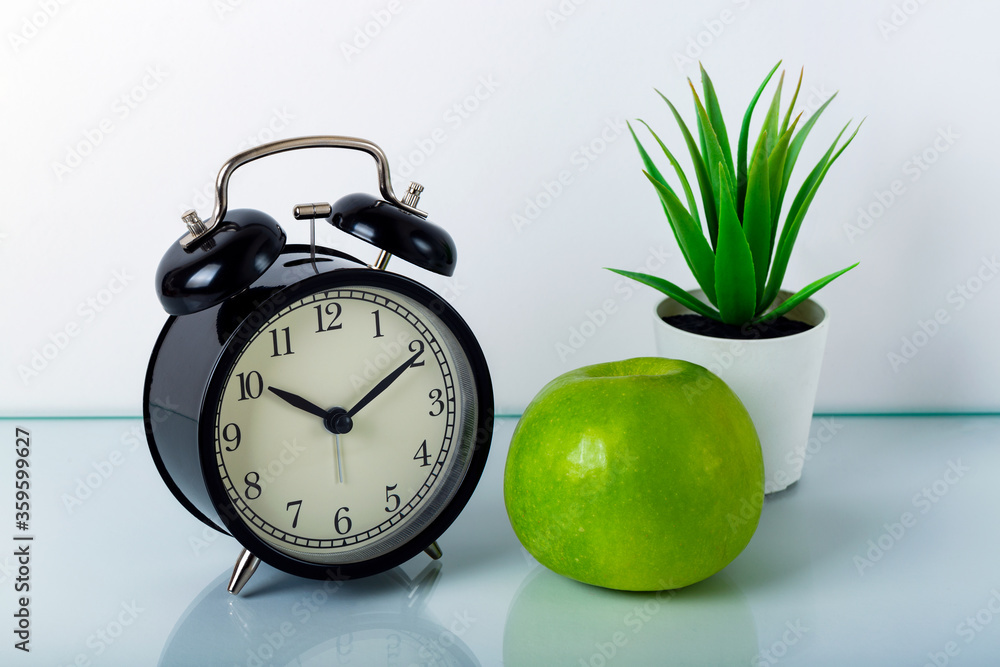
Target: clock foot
246	565
433	550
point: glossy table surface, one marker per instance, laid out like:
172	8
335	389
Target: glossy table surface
887	552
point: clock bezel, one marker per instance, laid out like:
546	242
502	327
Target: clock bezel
481	428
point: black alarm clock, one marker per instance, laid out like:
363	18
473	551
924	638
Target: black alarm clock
331	416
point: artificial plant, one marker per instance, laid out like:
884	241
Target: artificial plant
741	262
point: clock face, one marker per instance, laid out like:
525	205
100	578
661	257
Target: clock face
345	424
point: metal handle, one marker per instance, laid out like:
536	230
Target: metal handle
198	228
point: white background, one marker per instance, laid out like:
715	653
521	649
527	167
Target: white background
159	94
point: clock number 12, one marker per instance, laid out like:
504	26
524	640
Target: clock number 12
334	309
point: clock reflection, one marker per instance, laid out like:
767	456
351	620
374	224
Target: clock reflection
380	620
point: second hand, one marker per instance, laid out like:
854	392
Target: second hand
340	469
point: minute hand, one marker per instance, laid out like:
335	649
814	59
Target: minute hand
383	385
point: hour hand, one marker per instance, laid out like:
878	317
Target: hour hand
298	402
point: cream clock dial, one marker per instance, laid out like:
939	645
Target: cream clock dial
338	427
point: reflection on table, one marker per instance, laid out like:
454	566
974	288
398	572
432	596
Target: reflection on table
380	620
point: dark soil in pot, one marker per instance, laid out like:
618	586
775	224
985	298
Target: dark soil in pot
706	326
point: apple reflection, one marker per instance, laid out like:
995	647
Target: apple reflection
380	620
554	620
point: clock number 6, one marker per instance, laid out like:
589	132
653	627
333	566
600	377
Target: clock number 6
344	521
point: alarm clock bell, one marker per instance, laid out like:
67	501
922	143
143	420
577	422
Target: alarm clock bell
216	260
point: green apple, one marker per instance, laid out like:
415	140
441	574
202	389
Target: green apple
641	475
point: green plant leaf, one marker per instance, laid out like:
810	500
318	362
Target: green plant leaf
757	216
808	184
704	183
702	143
735	287
796	145
776	169
673	291
690	239
714	157
692	204
771	117
650	166
797	213
741	156
715	115
647	161
802	295
729	186
791	105
782	251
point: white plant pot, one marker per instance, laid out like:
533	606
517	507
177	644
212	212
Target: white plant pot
776	379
